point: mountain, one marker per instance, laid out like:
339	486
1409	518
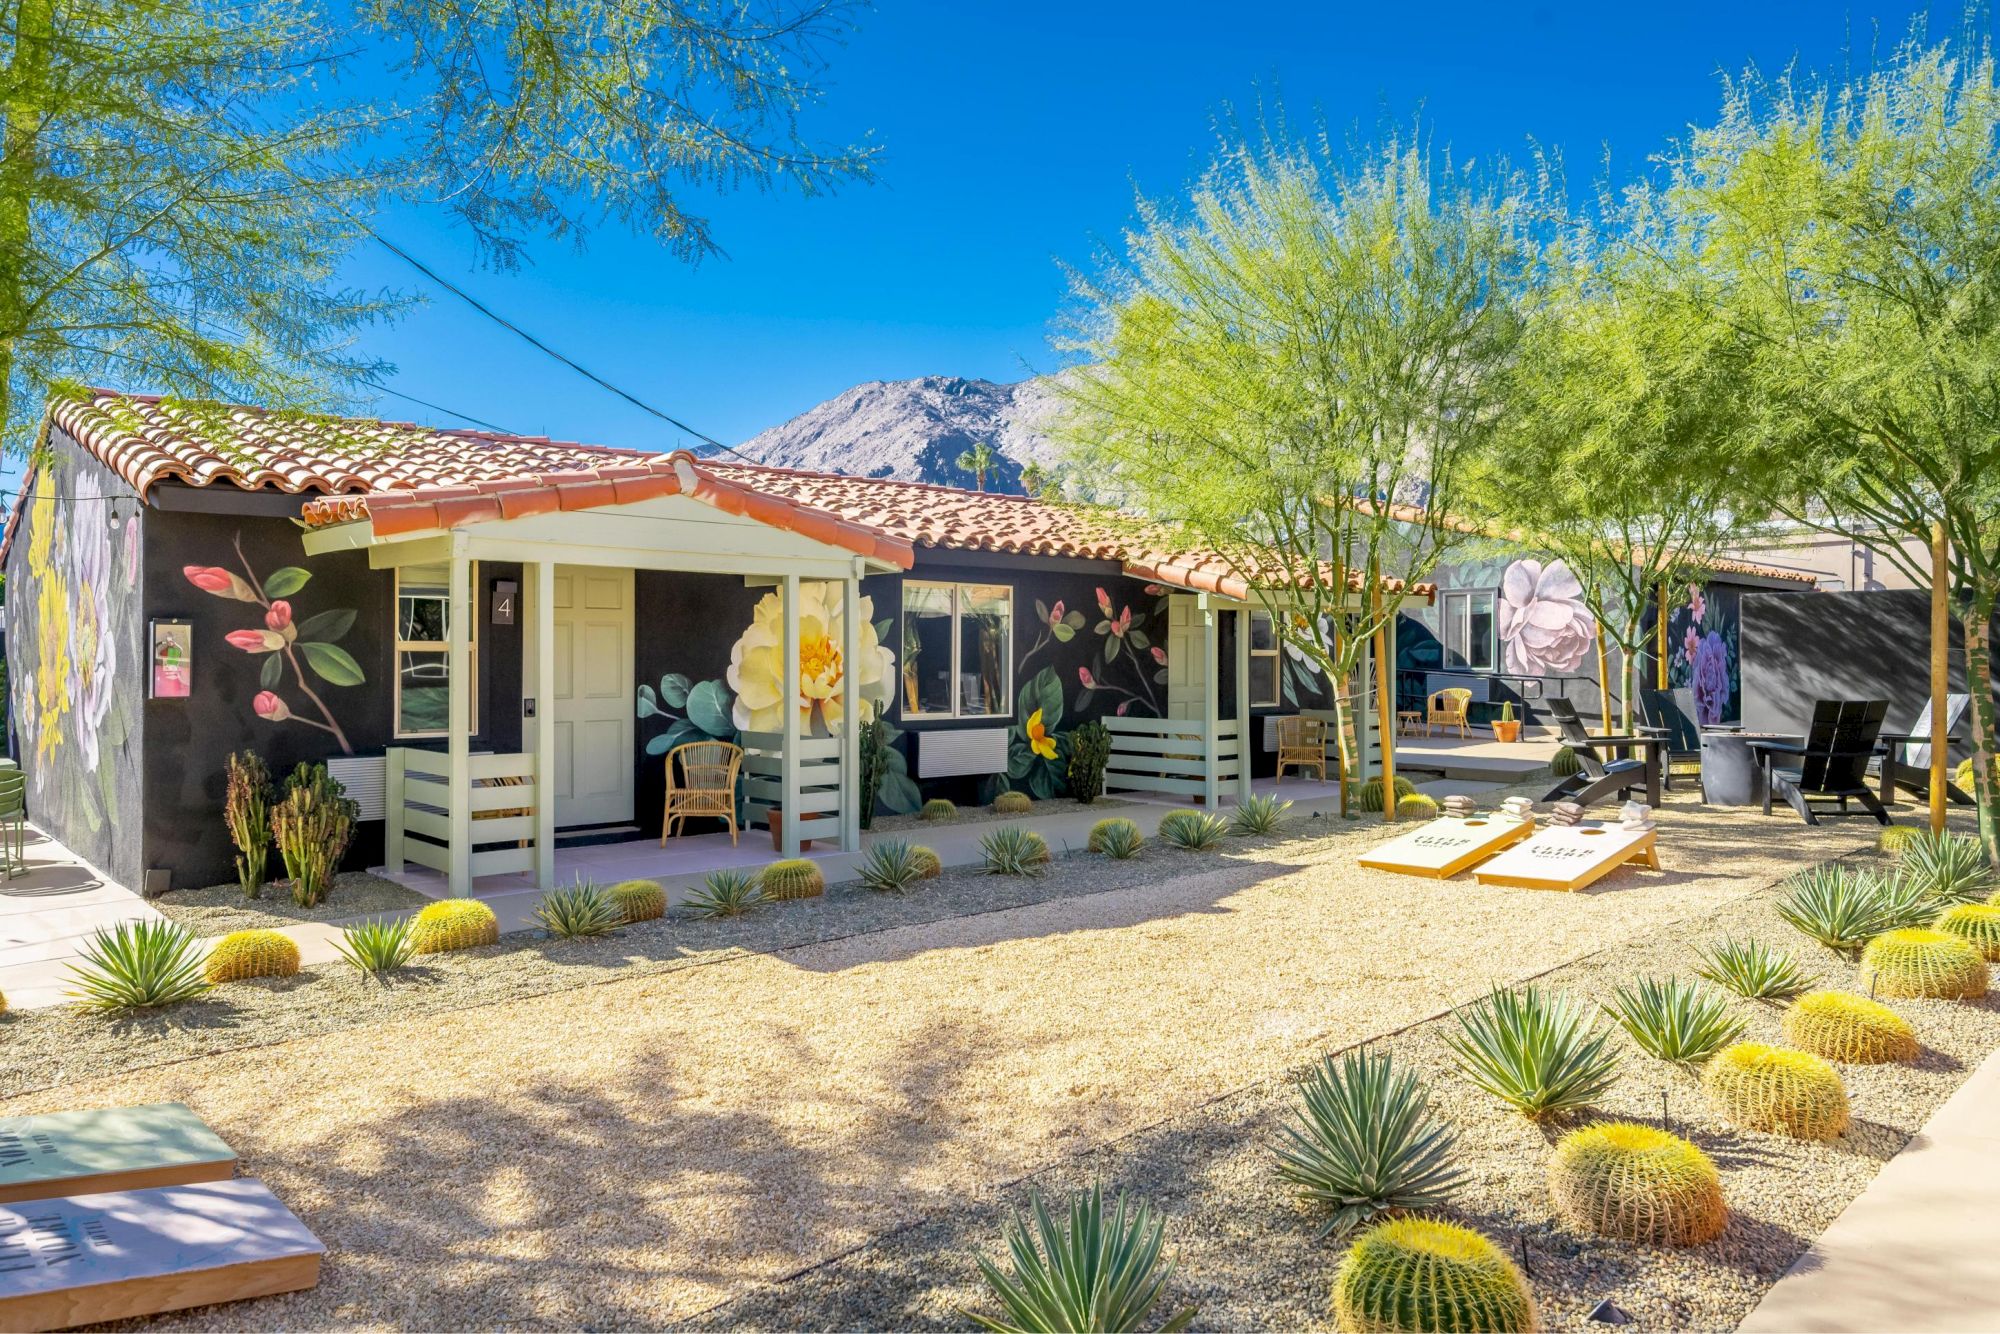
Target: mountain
915	430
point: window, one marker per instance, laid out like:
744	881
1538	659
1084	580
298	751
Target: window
1263	660
423	656
1468	630
958	650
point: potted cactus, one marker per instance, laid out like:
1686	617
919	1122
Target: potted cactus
1507	727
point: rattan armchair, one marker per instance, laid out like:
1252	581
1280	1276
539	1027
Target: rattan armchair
1301	745
706	788
1448	708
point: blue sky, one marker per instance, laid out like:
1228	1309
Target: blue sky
1013	136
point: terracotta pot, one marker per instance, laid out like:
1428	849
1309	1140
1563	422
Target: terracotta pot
1506	731
778	832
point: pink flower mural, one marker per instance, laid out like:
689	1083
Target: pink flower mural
1545	628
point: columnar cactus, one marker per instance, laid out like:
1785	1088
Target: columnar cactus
1841	1026
254	953
1419	806
929	865
1013	803
1775	1089
1637	1182
454	924
1113	829
1976	923
937	808
1422	1274
1917	962
795	878
639	900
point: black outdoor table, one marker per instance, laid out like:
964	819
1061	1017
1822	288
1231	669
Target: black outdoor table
1651	746
1887	750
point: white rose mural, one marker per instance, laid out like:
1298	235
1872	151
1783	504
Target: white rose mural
1545	628
757	664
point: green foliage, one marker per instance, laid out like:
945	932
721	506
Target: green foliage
875	765
1089	752
1784	1092
938	809
1013	803
258	952
379	945
1013	850
979	460
581	910
1842	1026
1116	838
1674	1020
1535	1050
1838	906
137	966
1638	1183
793	878
728	893
246	809
454	924
1753	970
1427	1276
1366	1143
893	865
638	900
1947	867
1194	831
1096	1273
313	824
1260	813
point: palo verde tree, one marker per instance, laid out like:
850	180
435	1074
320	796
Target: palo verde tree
1848	238
180	179
1283	364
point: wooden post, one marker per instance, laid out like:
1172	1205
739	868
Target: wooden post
1603	680
458	724
1660	641
788	686
851	795
1940	670
542	624
1211	706
1385	707
1243	751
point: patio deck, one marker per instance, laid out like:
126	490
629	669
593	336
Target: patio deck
1478	756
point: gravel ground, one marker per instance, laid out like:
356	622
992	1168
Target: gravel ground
914	824
220	909
640	1152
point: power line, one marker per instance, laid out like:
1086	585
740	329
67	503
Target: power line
437	407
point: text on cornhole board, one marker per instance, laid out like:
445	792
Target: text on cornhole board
108	1148
1570	858
1446	847
81	1259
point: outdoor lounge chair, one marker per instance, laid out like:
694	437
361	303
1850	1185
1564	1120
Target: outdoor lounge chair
707	786
1597	778
1672	716
1833	762
1301	745
1906	761
1448	708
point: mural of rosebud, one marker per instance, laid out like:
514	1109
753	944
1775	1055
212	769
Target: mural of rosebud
268	706
256	641
279	618
214	579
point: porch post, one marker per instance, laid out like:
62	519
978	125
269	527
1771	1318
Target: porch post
543	628
1211	706
851	795
458	741
1243	747
788	689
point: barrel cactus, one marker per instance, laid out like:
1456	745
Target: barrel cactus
1637	1182
1412	1274
1368	795
1564	763
1778	1090
1851	1029
794	878
455	924
929	865
1117	832
937	809
1922	963
1976	923
1963	779
638	900
1013	803
1418	806
255	953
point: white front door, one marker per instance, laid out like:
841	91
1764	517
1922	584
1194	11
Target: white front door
593	695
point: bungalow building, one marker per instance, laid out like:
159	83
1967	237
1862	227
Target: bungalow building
494	641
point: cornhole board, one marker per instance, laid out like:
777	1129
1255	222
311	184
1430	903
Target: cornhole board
1570	857
1447	846
108	1148
81	1259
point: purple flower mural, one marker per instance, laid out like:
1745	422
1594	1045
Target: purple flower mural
1711	679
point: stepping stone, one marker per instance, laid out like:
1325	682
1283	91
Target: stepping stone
82	1259
110	1148
1445	847
1570	858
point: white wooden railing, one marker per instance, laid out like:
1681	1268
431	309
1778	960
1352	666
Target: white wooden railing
819	792
417	809
1186	757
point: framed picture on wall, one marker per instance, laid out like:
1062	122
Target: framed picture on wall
173	659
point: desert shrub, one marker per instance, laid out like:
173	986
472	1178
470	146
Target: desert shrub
1096	1273
1012	850
1976	923
1841	1026
1423	1274
1089	752
379	945
1013	803
580	911
1753	970
313	825
1775	1089
638	900
1418	806
138	966
1564	763
793	878
728	893
454	924
1366	1143
929	865
1637	1183
891	865
1535	1050
1950	868
1195	831
936	809
1260	813
1117	838
1926	964
1675	1020
246	810
254	953
1838	906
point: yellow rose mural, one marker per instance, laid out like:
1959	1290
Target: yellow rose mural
757	663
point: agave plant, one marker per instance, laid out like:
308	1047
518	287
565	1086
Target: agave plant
726	894
138	965
1096	1274
1013	850
1838	906
1261	813
581	910
1950	868
1753	970
377	946
1196	831
1120	840
1903	900
1366	1143
1536	1050
892	865
1675	1020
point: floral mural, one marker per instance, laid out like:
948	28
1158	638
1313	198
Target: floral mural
1127	666
757	664
1545	627
1702	653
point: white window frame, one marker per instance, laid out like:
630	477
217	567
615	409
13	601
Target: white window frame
956	588
1457	604
1276	653
402	646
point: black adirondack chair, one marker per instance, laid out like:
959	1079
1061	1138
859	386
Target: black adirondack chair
1832	765
1672	716
1906	761
1598	777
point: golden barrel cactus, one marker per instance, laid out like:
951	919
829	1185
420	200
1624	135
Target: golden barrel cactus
1422	1274
1841	1026
1636	1182
1368	795
1775	1089
937	808
929	865
454	924
794	878
1895	838
1925	964
1976	923
1013	803
1418	806
254	953
638	900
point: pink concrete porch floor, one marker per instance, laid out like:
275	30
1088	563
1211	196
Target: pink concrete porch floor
49	914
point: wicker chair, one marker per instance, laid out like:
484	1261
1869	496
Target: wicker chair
708	787
1448	708
1301	745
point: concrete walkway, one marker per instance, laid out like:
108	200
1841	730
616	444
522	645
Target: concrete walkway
47	915
1919	1250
